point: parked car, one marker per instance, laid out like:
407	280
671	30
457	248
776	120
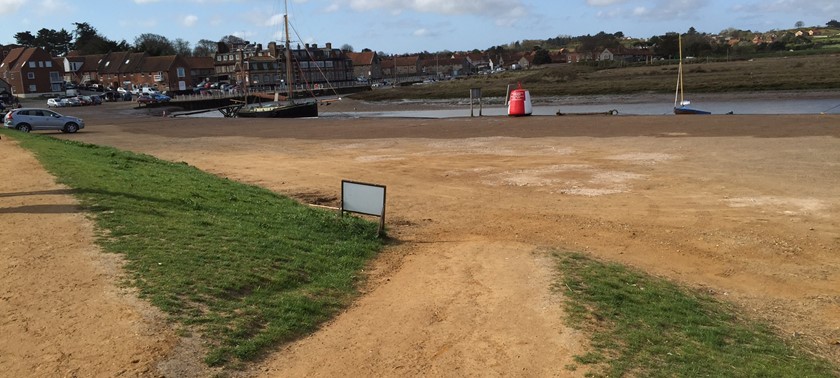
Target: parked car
145	99
28	119
153	98
56	102
73	101
160	97
85	100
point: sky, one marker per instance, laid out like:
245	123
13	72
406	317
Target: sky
406	26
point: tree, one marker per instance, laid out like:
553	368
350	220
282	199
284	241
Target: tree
55	42
666	45
154	45
204	47
541	56
599	41
346	48
89	42
799	24
25	39
232	41
182	47
366	50
833	24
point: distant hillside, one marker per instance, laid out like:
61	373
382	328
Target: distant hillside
790	72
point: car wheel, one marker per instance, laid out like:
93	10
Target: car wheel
70	128
24	127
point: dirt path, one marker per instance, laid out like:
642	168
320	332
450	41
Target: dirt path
745	207
61	311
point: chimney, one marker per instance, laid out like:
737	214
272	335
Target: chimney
314	45
329	46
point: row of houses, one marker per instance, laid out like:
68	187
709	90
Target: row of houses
370	66
32	72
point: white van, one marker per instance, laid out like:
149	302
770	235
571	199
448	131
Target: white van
144	90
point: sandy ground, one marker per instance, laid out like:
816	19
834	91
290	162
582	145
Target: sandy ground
743	207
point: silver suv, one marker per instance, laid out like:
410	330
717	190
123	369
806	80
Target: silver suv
28	119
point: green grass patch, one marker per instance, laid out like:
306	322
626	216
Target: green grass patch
647	327
244	266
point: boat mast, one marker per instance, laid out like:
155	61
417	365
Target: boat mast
289	80
680	76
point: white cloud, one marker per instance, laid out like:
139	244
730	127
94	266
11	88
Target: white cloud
8	7
274	20
422	32
816	7
505	12
53	6
641	12
146	1
603	3
189	20
332	8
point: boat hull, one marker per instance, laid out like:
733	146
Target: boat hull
302	110
682	110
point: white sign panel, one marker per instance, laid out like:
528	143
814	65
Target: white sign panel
363	198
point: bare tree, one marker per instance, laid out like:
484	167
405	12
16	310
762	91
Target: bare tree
182	47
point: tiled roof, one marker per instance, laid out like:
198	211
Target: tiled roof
200	62
362	58
156	63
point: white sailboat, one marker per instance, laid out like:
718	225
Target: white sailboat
680	103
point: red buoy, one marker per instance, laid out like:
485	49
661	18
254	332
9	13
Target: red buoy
520	102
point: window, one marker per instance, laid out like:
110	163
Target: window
31	64
49	64
56	87
181	72
33	88
55	77
30	75
41	64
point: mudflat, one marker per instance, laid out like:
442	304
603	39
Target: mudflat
743	207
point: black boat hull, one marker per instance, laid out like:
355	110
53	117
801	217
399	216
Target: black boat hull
684	110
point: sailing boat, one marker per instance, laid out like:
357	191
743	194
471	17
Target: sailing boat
681	107
290	109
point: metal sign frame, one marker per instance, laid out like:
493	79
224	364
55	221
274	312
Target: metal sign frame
363	198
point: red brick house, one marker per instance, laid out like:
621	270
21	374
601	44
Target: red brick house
31	72
82	69
115	67
405	66
130	70
166	73
366	64
201	68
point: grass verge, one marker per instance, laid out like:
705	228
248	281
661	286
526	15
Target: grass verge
773	73
247	268
647	327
